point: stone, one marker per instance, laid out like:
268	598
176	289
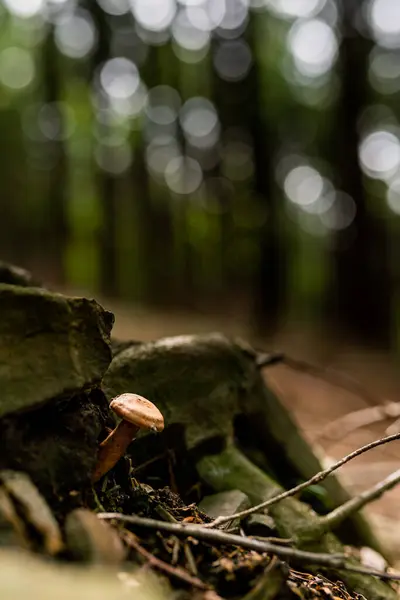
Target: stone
225	503
56	444
261	525
24	576
51	345
92	540
118	346
14	275
33	509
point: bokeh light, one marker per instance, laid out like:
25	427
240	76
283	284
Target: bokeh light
296	8
114	157
313	45
17	68
384	18
234	18
384	71
75	34
341	212
162	107
154	15
48	121
115	7
120	81
119	78
393	196
56	120
379	154
159	152
188	36
24	8
232	60
303	185
200	123
206	15
183	175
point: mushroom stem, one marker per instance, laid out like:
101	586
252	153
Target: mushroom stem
114	447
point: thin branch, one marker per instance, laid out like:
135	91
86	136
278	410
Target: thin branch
302	486
338	515
221	537
373	573
178	572
333	561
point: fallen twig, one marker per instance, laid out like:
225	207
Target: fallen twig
338	515
299	488
221	537
333	561
178	572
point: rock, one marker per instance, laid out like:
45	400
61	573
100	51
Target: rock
14	275
197	382
225	503
25	577
260	525
118	346
56	444
91	540
12	528
32	507
50	346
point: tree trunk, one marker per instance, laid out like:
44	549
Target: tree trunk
269	283
106	184
359	298
57	226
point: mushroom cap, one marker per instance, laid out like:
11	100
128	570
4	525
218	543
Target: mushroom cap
139	411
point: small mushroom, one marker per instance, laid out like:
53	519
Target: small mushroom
136	413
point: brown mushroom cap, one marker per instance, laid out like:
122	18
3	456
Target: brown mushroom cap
138	410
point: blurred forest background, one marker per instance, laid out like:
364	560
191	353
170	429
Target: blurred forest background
193	154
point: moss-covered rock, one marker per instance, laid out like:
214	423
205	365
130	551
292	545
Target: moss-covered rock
56	444
50	346
14	275
211	387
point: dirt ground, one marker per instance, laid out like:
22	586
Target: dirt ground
314	403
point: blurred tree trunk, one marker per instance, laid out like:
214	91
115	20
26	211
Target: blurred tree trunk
221	96
57	228
154	208
359	298
240	104
270	278
105	181
16	238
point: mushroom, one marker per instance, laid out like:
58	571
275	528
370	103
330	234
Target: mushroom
136	413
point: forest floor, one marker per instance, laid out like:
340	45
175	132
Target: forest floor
314	403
